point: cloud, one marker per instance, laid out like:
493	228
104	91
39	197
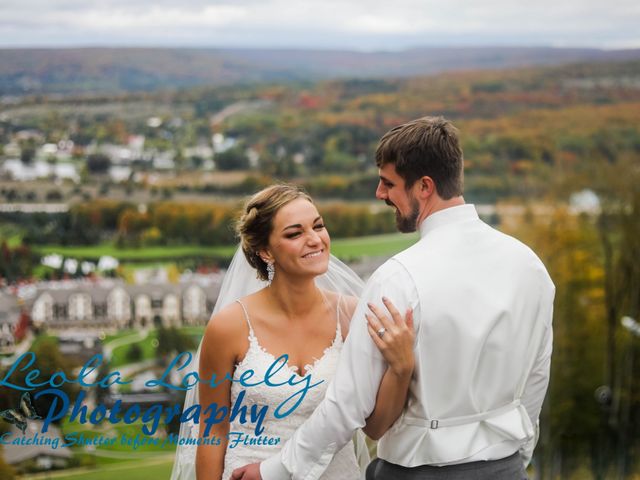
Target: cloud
319	23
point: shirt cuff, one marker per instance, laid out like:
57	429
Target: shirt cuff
273	469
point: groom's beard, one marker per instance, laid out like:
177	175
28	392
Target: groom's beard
407	224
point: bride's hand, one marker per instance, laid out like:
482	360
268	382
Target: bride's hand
394	337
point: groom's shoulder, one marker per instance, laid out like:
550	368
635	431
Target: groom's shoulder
406	257
395	268
516	251
515	246
391	270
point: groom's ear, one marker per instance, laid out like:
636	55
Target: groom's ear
425	187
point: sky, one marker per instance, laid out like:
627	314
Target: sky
320	24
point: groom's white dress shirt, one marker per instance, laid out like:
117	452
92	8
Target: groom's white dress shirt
483	304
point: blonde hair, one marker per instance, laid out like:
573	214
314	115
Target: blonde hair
256	222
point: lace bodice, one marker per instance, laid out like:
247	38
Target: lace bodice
343	466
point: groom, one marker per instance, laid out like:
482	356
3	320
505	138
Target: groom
482	306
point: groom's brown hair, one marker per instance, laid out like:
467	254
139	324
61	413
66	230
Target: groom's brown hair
427	146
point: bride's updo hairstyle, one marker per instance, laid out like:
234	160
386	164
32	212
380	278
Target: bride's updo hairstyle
256	222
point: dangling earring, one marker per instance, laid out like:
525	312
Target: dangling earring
271	271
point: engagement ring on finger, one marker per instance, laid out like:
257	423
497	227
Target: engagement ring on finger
381	332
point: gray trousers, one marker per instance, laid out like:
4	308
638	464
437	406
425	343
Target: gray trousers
510	468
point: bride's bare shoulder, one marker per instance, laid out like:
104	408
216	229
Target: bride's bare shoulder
231	320
226	325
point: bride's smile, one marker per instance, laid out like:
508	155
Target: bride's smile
313	254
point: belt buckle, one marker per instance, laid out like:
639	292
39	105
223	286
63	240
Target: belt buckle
434	424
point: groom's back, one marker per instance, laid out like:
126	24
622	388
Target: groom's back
481	293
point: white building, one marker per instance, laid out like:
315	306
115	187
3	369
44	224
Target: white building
123	306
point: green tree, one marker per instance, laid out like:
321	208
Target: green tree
98	163
49	360
571	420
232	159
171	340
619	231
134	353
27	154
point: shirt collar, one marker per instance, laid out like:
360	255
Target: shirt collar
447	216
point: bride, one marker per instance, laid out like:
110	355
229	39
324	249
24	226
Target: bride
299	305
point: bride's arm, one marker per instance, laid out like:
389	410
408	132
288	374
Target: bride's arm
217	357
396	345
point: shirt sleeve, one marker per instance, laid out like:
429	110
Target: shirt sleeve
351	396
536	386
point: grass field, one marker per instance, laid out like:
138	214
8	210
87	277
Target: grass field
372	246
345	248
119	460
195	330
159	468
119	355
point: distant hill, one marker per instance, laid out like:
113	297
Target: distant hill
101	70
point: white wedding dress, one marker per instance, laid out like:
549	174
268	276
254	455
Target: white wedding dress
344	465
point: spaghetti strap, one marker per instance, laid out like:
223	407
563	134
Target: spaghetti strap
338	327
246	317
